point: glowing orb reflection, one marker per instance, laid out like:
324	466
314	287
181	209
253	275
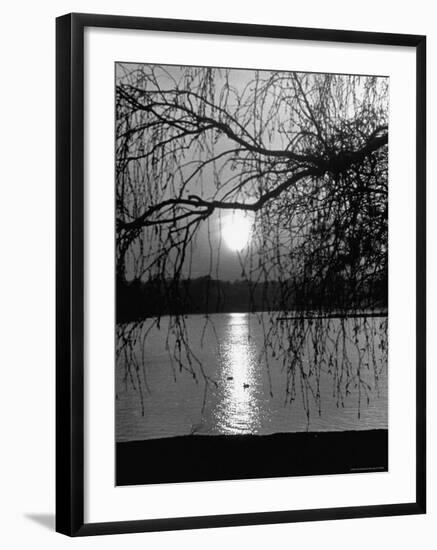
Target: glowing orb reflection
238	410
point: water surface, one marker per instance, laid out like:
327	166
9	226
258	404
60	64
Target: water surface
326	375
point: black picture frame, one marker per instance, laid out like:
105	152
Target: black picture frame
70	489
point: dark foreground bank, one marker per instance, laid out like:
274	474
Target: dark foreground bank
208	458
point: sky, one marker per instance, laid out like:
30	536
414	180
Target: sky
210	255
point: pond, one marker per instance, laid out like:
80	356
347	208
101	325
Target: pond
254	373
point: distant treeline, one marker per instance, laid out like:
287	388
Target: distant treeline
139	299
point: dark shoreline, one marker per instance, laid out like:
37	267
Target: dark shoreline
220	457
139	299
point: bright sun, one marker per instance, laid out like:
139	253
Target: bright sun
236	231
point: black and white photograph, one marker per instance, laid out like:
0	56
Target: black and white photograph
251	273
219	275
